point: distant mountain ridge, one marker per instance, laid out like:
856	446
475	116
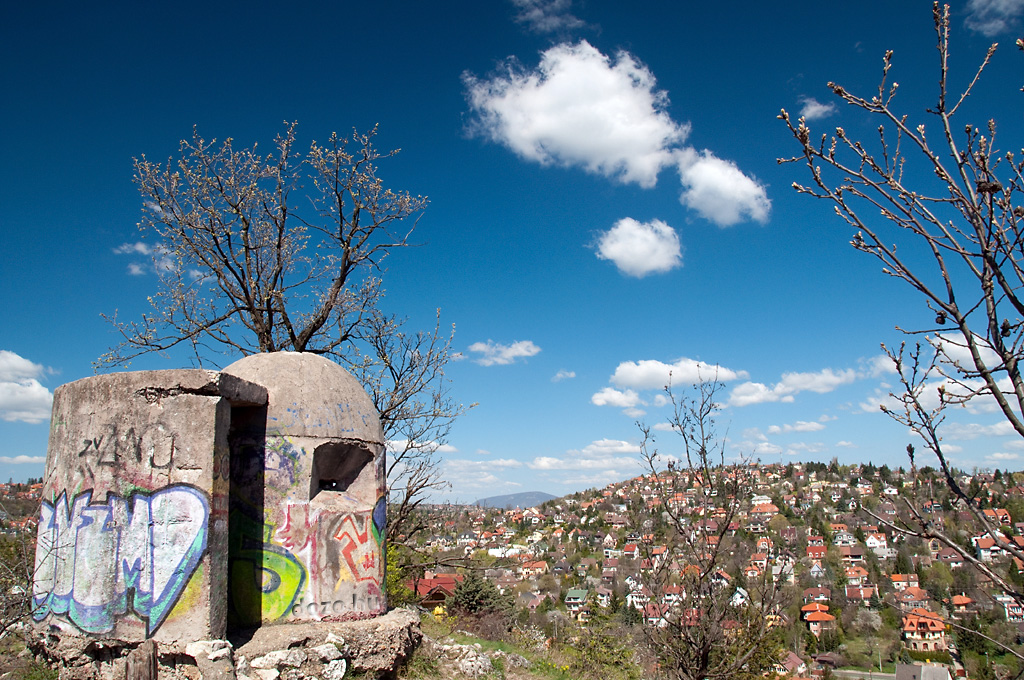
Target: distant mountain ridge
524	500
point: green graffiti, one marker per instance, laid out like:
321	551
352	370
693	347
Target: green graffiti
265	579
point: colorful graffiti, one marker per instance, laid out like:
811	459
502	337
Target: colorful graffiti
265	578
97	562
380	519
359	553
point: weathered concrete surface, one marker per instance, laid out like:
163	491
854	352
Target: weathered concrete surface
308	496
134	510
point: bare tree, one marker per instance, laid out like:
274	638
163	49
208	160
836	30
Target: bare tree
705	618
943	214
286	251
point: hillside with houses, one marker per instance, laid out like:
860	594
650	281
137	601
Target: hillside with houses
850	589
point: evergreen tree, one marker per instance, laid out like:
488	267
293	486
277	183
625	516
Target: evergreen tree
475	594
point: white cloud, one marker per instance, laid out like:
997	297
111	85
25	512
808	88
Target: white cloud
495	353
580	108
878	365
765	449
609	396
22	397
397	445
791	384
843	444
650	374
992	17
547	16
14	368
812	109
159	255
138	248
17	460
563	375
798	426
719	191
805	447
1003	456
603	454
641	248
966	431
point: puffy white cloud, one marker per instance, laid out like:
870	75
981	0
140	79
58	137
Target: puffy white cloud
766	449
17	460
609	396
580	108
798	426
547	16
22	397
791	384
14	368
719	191
650	374
641	248
878	365
603	454
812	109
494	353
992	17
563	375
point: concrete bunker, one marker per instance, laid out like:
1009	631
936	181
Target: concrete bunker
179	505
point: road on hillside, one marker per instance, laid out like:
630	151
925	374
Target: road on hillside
866	675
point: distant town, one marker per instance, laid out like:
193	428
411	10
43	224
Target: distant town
858	593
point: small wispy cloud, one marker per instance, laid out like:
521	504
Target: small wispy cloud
160	258
563	375
18	460
798	426
812	109
496	354
992	17
602	454
547	16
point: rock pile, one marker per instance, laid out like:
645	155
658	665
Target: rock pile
374	648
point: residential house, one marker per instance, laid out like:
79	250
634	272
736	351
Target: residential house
924	631
861	594
912	598
901	582
575	601
817	595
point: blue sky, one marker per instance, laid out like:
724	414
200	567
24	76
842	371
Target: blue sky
605	204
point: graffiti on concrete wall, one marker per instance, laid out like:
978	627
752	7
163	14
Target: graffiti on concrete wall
96	562
266	579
